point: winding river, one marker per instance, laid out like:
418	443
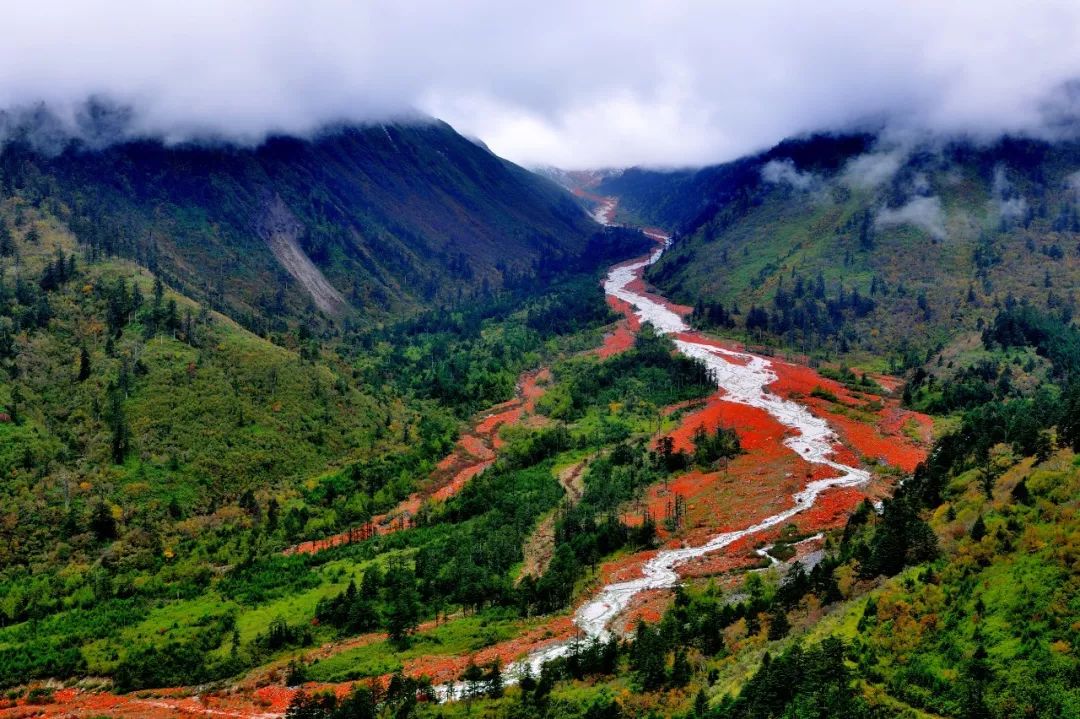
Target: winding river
743	378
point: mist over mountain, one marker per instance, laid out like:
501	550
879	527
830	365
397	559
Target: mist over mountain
561	83
367	221
758	397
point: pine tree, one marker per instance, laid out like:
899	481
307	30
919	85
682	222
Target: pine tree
102	523
272	508
84	364
779	626
1020	492
118	426
137	298
680	669
159	293
403	613
493	679
7	243
647	658
701	704
13	405
978	529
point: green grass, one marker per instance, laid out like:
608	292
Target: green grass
457	637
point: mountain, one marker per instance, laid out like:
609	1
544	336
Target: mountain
500	460
674	198
851	245
362	222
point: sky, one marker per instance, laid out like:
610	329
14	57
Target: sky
574	84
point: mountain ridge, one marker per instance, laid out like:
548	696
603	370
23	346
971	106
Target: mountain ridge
394	217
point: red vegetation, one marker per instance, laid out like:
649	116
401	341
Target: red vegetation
618	340
633	324
831	509
752	486
738	555
442	669
872	432
647	606
473	453
265	702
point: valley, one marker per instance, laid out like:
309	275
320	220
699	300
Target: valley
556	360
559	493
797	470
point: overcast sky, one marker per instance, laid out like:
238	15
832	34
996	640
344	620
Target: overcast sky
581	83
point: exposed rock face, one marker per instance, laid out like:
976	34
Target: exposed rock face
281	231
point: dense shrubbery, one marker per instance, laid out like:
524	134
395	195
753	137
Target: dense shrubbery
649	376
177	663
1024	423
157	437
468	357
810	682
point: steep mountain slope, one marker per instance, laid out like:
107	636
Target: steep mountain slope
893	252
155	530
380	218
152	449
675	198
120	394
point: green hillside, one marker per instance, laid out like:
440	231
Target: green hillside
957	598
157	454
153	449
878	253
356	223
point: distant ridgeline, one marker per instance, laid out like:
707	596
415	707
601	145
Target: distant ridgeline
852	245
356	223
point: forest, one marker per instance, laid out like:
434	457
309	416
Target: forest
180	462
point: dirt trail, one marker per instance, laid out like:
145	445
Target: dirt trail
540	546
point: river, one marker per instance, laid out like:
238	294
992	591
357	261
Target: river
744	378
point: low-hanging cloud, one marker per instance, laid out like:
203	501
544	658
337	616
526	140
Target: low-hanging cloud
653	82
922	212
873	169
1009	204
784	172
1072	183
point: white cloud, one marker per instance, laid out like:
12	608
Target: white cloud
659	82
1072	181
873	169
1008	203
784	172
923	212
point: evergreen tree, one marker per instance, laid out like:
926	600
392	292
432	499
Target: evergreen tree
779	626
680	669
102	523
14	405
118	426
647	658
493	679
84	364
7	242
403	612
978	529
701	704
